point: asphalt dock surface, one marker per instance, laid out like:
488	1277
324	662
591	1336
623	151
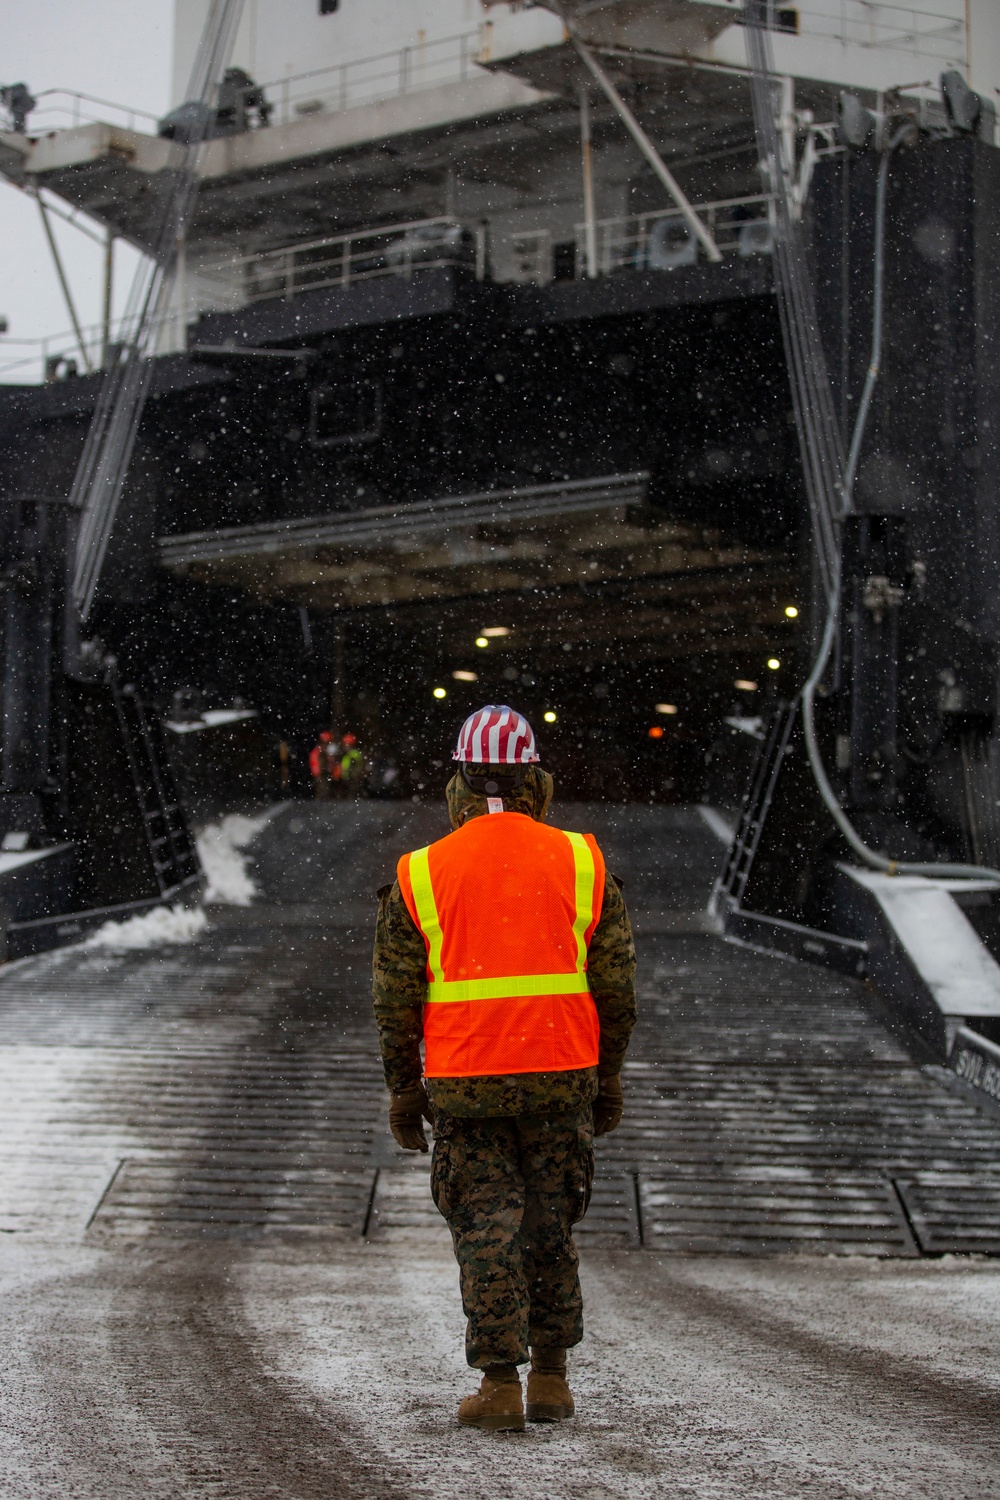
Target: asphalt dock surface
219	1278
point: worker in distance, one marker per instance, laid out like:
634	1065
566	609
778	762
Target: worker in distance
507	951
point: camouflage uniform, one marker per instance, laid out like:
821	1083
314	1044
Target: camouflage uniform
513	1154
511	1189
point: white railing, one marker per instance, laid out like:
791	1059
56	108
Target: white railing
30	361
364	80
63	109
343	259
931	30
647	242
237	281
387	75
58	355
662	241
658	241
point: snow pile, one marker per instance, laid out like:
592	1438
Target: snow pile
151	929
227	883
219	846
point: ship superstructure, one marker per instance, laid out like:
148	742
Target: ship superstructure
472	383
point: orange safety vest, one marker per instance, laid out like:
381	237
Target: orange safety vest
507	908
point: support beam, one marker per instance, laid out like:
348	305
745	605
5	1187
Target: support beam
649	151
786	127
589	215
337	682
109	266
61	273
73	219
180	294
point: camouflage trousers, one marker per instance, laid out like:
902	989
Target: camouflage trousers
511	1189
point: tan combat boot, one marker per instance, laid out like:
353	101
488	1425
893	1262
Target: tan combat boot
549	1398
497	1407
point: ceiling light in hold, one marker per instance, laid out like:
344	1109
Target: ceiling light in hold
465	676
549	717
440	692
496	630
773	663
655	731
745	685
791	612
666	708
481	641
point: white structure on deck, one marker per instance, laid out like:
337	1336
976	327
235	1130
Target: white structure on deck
312	56
404	133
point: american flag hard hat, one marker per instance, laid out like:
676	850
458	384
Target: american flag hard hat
496	736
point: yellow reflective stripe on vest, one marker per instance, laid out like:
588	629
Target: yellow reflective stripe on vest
515	986
427	912
583	861
446	991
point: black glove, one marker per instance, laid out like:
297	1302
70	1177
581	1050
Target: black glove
608	1105
408	1108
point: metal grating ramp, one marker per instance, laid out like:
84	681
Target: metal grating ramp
953	1213
239	1199
613	1216
773	1213
402	1203
231	1087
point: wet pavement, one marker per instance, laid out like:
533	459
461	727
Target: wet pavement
221	1278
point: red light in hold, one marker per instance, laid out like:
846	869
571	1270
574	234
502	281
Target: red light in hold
655	731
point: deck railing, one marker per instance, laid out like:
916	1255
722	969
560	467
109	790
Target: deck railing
387	75
640	242
64	109
933	30
344	259
662	241
58	355
363	80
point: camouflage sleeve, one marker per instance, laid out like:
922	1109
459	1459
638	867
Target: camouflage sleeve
399	987
611	967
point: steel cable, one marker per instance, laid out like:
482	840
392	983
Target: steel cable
100	475
819	435
829	479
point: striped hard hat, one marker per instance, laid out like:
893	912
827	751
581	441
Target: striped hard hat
496	736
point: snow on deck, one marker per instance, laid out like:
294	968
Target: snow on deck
219	1277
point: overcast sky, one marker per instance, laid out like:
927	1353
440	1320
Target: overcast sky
116	49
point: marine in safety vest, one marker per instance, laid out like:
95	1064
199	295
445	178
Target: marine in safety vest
506	950
321	763
350	769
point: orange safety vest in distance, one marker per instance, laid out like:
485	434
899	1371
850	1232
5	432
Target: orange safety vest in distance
507	908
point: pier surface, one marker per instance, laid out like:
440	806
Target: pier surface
220	1278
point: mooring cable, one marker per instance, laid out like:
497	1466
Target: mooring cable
828	474
861	849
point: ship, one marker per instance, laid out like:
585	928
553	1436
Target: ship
627	360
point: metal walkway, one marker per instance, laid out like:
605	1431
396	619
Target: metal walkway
231	1088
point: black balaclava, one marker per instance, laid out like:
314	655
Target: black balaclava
532	796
